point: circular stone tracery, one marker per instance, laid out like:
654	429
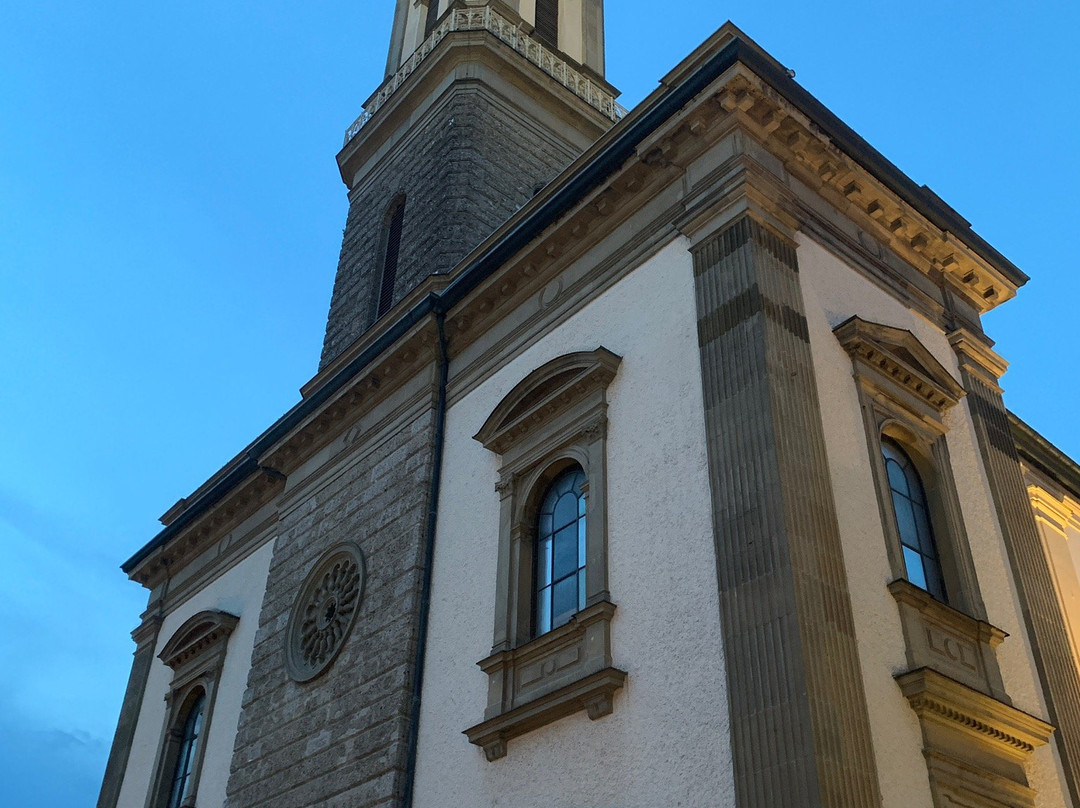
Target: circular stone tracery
324	611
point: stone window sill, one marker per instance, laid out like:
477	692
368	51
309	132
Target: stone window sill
555	675
943	639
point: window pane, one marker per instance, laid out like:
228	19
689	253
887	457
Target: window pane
185	758
905	522
935	584
566	552
564	601
897	478
561	551
566	510
545	528
543	563
914	484
913	562
926	537
581	542
543	611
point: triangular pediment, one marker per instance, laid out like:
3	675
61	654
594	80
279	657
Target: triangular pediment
896	356
199	634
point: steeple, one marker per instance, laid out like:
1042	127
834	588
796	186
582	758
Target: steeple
483	102
575	28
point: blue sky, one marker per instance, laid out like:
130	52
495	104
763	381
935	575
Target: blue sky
170	219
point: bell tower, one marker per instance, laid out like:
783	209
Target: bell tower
483	103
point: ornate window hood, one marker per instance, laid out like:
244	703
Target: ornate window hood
486	19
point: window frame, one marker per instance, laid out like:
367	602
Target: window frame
554	419
905	395
580	569
196	654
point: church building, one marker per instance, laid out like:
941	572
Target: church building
655	458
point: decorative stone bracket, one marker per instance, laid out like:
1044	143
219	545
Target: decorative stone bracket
974	741
975	745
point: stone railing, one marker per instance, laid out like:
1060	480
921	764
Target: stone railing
485	19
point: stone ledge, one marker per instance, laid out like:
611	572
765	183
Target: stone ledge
593	694
939	700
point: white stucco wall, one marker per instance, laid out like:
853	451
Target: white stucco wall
239	591
833	292
667	742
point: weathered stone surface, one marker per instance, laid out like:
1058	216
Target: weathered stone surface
464	172
341	738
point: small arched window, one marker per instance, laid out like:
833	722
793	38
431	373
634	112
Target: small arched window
188	736
560	552
395	219
912	512
547	21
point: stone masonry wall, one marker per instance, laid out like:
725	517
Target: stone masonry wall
465	171
340	740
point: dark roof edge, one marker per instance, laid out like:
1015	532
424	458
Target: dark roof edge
920	197
247	462
645	119
1045	456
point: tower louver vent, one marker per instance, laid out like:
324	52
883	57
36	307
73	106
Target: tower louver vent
432	17
547	21
390	261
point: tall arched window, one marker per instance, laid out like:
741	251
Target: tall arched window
921	559
188	736
395	219
560	552
547	21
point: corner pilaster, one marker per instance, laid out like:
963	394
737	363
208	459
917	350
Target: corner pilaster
145	637
800	727
980	369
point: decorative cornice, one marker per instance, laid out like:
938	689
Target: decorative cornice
1054	511
974	354
897	355
812	156
549	390
197	636
228	513
942	700
1039	453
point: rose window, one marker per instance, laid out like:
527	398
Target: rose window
325	611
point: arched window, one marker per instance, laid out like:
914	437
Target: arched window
547	21
912	514
560	552
395	219
196	655
189	734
